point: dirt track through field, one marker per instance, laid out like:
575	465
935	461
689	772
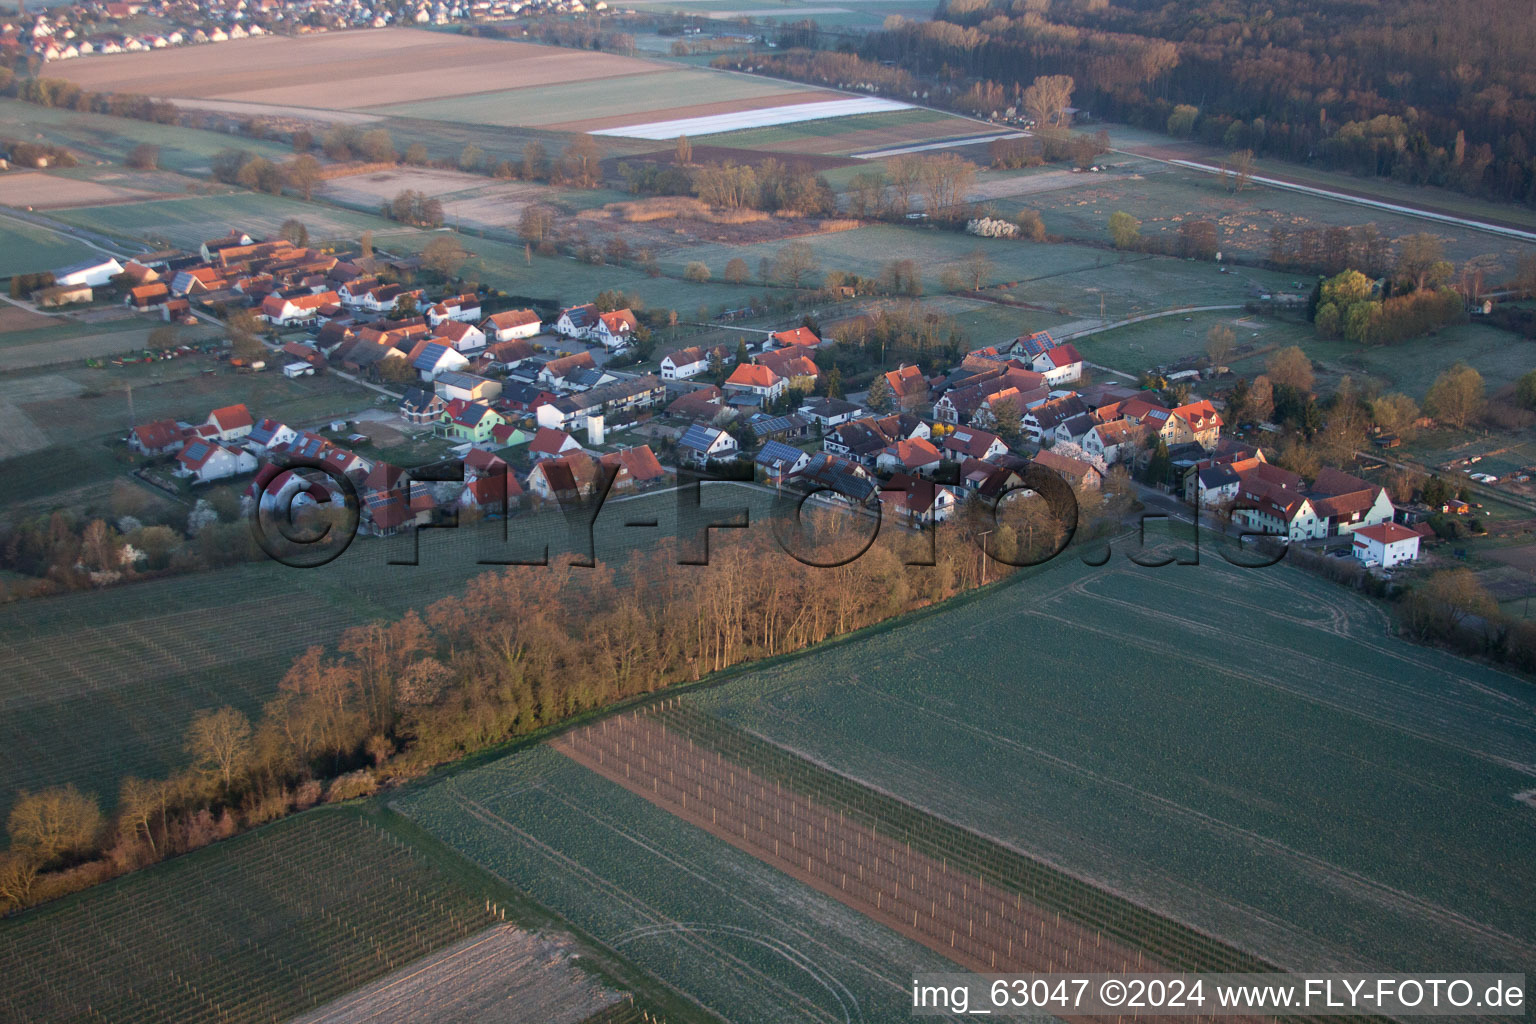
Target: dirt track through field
979	926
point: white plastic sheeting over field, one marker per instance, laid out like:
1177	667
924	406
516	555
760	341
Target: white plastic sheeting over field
767	117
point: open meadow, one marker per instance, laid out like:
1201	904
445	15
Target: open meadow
1060	277
25	248
257	928
106	138
188	222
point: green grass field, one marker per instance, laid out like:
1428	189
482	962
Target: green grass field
749	943
27	248
609	97
1247	751
831	127
568	281
1069	276
257	928
188	222
103	137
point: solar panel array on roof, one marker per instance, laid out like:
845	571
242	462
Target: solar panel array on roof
699	437
429	356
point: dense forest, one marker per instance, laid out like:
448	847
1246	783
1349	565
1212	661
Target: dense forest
1423	92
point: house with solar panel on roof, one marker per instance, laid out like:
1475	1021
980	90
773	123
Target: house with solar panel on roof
702	443
576	321
776	462
430	358
206	460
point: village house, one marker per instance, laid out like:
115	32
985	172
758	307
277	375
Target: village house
464	308
576	321
1059	364
468	421
701	444
550	443
970	443
205	461
456	384
148	296
776	462
615	330
1117	441
1385	545
909	388
860	440
430	358
506	355
832	412
1041	421
230	422
512	325
555	372
799	370
422	406
799	337
635	467
1083	476
158	438
295	311
916	501
492	493
463	337
268	434
752	379
689	362
915	455
830	478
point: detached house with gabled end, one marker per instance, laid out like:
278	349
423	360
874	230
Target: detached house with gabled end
909	388
511	325
494	493
1060	364
917	501
777	461
158	438
430	358
616	330
689	362
463	337
752	379
297	310
550	443
701	443
465	308
148	296
555	372
422	406
1117	441
231	422
268	434
970	443
1385	545
1083	476
915	455
469	421
576	321
205	460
